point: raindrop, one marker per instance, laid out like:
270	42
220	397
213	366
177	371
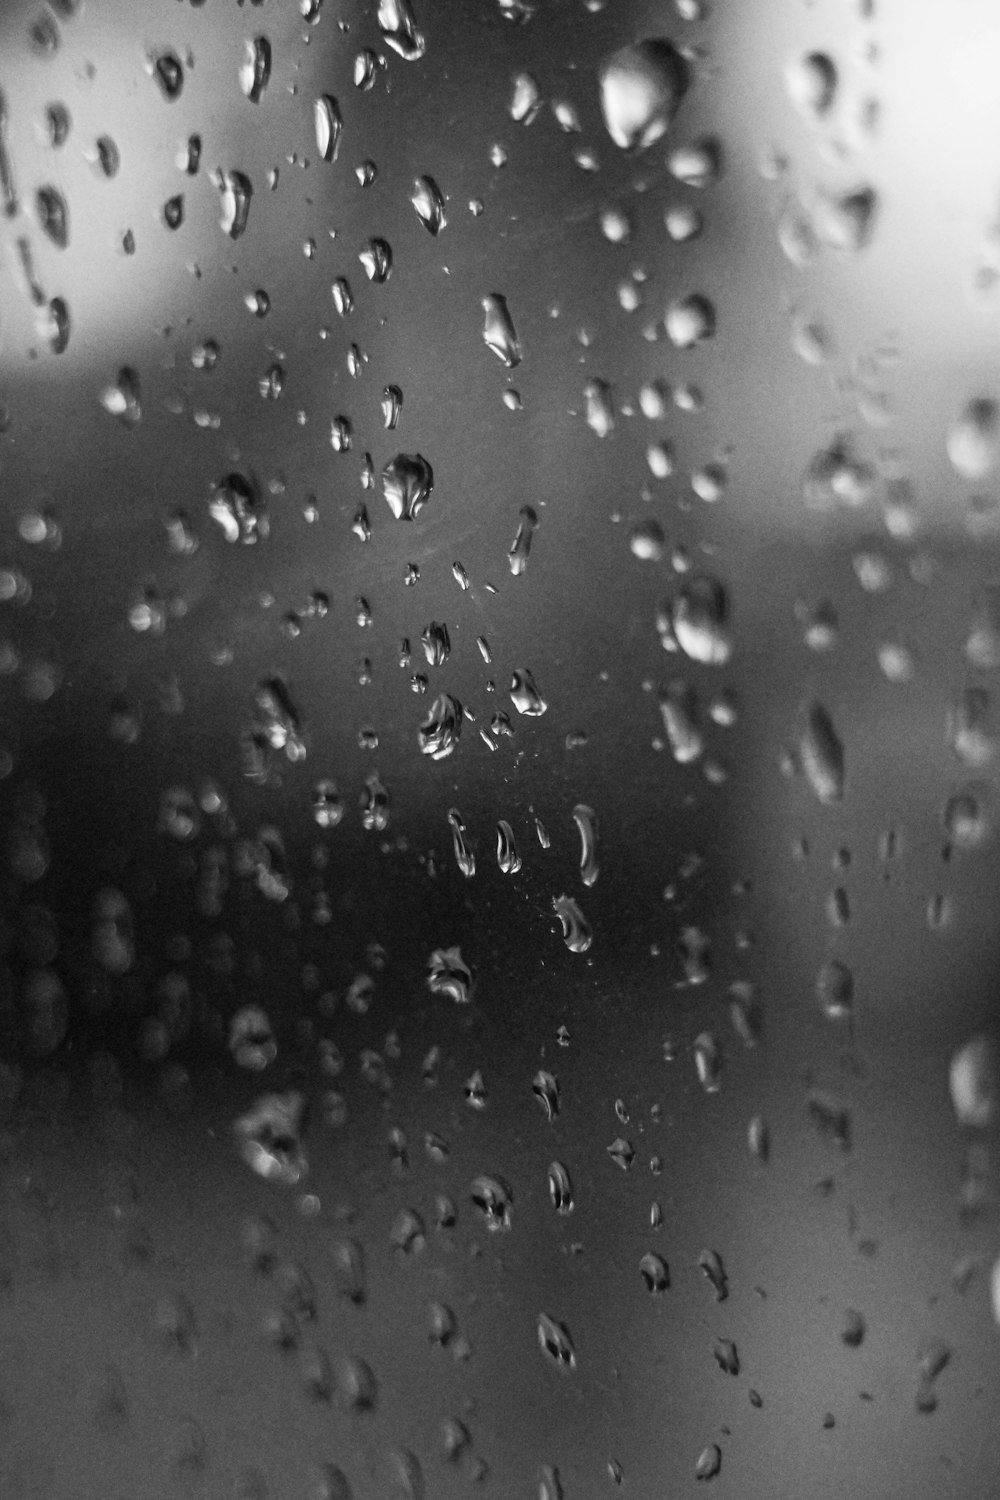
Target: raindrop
655	1272
439	733
689	321
822	754
974	439
376	258
526	99
53	215
576	930
407	482
255	70
545	1087
811	83
586	822
464	856
835	990
699	622
622	1153
555	1343
449	975
521	545
710	1263
251	1038
525	695
726	1357
494	1199
236	192
268	1138
397	24
329	125
560	1188
124	399
499	332
974	1081
428	201
166	69
708	1062
599	408
641	87
709	1462
846	221
238	508
57	124
374	805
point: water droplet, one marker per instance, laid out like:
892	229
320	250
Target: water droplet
726	1356
974	439
599	407
758	1138
124	399
255	70
428	201
846	221
642	86
545	1087
329	125
499	332
251	1038
57	124
555	1343
374	805
464	856
822	754
376	258
709	1462
166	69
525	695
689	321
698	164
655	1272
974	1081
53	215
508	857
560	1188
699	622
710	1263
397	24
683	222
449	975
521	545
679	712
236	191
268	1138
494	1199
811	83
407	482
586	822
852	1328
526	99
708	1062
831	1117
835	990
238	507
439	733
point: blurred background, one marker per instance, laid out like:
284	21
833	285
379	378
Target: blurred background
499	619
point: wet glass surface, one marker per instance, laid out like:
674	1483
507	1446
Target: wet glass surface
499	624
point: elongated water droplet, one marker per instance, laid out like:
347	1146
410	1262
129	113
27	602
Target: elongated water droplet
53	215
835	990
464	857
521	545
376	258
399	28
822	754
508	857
556	1343
525	695
255	70
499	332
811	84
440	731
428	201
599	409
710	1262
545	1087
329	125
560	1188
577	933
526	98
169	74
236	192
586	822
974	1081
708	1062
641	87
655	1272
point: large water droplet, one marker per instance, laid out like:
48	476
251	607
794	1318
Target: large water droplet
577	934
236	191
407	482
448	974
521	545
329	125
439	733
822	754
499	332
974	439
397	24
464	856
641	87
556	1343
525	695
255	70
53	215
811	83
428	201
974	1080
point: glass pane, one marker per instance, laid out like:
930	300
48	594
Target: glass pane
499	618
